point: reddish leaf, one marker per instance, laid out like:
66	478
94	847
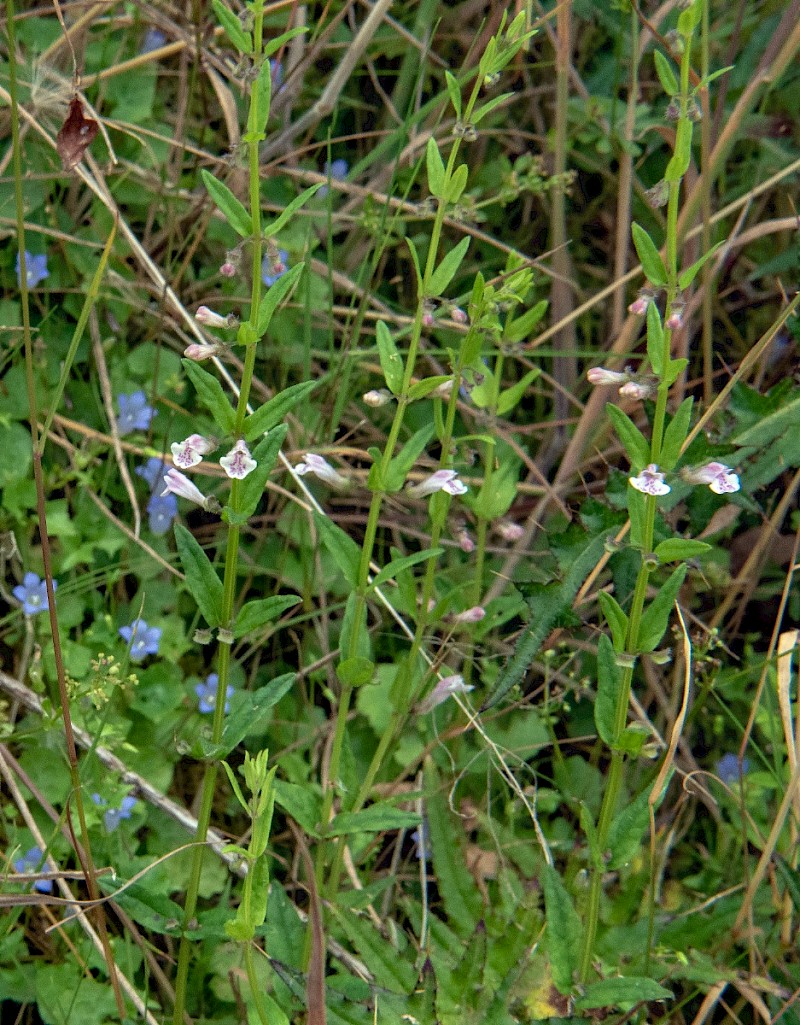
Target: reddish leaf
75	136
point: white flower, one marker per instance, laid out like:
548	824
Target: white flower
443	690
209	318
377	397
321	468
650	481
720	478
190	452
238	462
442	480
599	375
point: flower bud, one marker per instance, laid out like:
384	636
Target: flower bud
209	318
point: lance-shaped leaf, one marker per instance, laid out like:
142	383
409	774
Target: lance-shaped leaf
210	393
391	363
563	930
656	616
263	610
232	27
652	264
631	437
443	274
204	584
435	166
276	409
274	296
275	226
230	207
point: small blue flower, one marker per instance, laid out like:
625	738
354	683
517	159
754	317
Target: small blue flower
113	816
31	862
207	693
32	592
335	169
276	73
422	841
153	472
35	269
162	510
134	413
154	39
272	270
728	768
142	639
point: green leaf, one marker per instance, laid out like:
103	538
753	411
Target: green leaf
426	386
674	369
675	549
456	886
675	435
303	803
252	487
275	409
479	114
415	260
274	296
345	552
435	167
521	327
458	182
627	829
609	687
393	973
686	277
679	163
399	465
649	257
666	76
689	19
391	569
275	226
636	503
563	930
256	613
391	363
774	425
656	615
273	45
444	273
631	437
354	640
509	398
233	211
546	605
355	671
259	105
375	819
242	40
204	584
616	619
454	92
247	716
622	991
210	393
655	339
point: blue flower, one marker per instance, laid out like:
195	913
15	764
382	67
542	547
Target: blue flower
335	169
728	768
35	269
276	74
32	592
422	842
134	413
113	816
271	270
154	39
31	862
142	639
207	693
162	510
153	472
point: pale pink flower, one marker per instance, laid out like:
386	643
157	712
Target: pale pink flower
238	462
228	269
473	615
650	481
321	468
465	542
720	478
638	390
599	375
444	689
675	319
209	318
190	452
459	315
442	480
199	352
509	531
178	484
639	305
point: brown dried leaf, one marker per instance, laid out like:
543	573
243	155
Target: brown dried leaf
75	135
